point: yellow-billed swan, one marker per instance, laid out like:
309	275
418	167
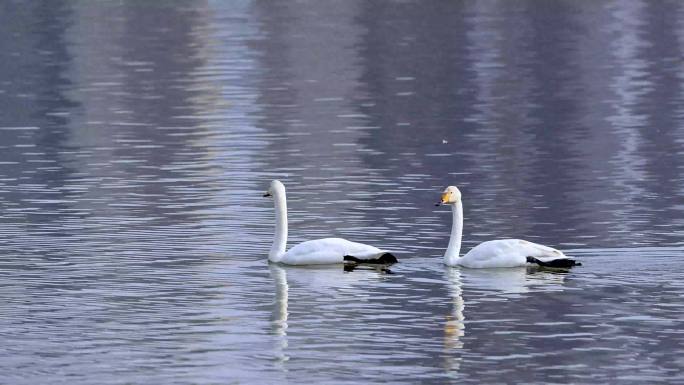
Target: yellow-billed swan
319	251
498	253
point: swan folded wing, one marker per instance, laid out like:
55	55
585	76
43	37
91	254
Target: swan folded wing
363	251
507	253
541	252
328	250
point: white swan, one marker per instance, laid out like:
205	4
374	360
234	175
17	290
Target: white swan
498	253
319	251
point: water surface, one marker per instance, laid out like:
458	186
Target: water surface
136	141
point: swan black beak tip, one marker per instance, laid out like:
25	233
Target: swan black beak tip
438	204
266	195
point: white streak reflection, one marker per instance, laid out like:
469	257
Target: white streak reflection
279	316
454	328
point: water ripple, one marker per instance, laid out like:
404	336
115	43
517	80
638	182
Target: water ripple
136	141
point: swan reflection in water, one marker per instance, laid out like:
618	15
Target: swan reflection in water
305	286
495	282
320	280
279	315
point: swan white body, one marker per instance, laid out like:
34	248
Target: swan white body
314	252
505	253
328	250
497	253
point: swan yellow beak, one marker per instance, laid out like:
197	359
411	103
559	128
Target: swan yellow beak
445	198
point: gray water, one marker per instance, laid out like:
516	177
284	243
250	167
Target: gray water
137	138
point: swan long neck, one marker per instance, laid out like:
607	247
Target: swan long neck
452	253
280	240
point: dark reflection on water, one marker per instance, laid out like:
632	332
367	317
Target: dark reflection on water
136	139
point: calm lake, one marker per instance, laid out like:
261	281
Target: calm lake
137	139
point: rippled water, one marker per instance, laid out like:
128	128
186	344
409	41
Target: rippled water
136	141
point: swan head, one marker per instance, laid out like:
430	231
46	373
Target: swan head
450	196
276	188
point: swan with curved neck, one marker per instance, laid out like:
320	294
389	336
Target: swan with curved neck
318	251
497	253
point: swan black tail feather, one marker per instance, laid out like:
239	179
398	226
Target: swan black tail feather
560	262
349	267
384	259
